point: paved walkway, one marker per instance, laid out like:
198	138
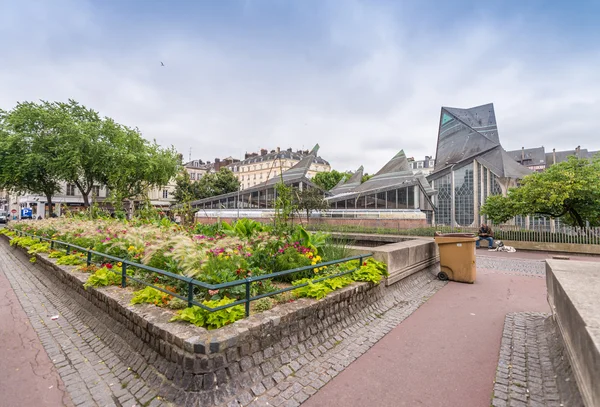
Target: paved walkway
445	353
27	375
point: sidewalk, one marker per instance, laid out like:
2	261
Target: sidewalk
27	376
446	353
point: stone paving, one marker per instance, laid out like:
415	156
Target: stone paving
506	265
532	371
306	369
92	373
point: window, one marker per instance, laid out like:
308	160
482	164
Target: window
70	189
431	163
242	177
96	191
254	178
193	176
420	164
165	193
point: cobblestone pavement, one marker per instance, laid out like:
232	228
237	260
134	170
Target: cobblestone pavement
532	371
535	268
305	370
92	373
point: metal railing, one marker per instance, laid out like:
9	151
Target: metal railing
192	283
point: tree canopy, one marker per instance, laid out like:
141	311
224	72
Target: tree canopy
310	199
44	144
568	190
211	184
329	179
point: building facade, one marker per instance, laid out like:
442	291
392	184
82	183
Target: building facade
537	159
471	165
257	168
425	166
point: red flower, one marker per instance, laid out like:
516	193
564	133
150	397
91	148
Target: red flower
365	263
108	266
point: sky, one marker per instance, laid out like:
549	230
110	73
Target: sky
363	79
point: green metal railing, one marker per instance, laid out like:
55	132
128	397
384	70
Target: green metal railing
192	283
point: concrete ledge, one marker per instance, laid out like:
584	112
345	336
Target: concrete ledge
555	247
403	257
574	297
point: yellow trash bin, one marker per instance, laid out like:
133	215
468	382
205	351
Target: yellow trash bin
457	256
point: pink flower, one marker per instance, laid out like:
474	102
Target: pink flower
213	292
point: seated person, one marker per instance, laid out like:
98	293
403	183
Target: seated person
485	233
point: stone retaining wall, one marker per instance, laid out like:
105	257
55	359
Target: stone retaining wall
216	365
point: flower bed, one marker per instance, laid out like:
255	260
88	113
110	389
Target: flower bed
211	254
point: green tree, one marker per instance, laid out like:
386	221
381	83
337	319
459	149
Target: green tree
365	178
32	149
569	190
185	189
135	165
310	199
328	180
217	183
85	158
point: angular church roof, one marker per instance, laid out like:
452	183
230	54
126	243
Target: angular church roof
298	171
348	186
467	134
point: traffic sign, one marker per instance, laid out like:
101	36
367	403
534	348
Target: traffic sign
13	211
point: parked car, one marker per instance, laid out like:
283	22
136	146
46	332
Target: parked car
3	217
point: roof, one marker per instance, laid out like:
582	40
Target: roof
467	134
500	163
564	155
284	154
198	164
352	183
458	140
531	156
395	173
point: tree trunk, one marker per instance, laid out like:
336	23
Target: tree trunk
49	200
577	217
86	200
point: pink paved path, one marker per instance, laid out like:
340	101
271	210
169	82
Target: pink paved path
445	354
27	376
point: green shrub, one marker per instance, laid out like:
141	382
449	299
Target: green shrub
211	320
103	277
263	304
371	271
70	260
177	303
151	295
311	290
39	248
57	254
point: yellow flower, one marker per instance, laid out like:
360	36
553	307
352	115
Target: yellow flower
131	248
119	264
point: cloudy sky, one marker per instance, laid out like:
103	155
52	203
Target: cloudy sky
363	79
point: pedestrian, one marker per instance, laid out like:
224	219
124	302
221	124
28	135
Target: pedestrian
485	233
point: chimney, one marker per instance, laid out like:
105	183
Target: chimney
522	154
577	151
278	150
263	151
553	156
289	149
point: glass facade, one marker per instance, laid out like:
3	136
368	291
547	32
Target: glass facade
463	196
443	199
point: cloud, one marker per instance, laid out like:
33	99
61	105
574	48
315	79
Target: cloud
363	81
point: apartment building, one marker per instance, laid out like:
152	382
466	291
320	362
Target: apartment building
424	166
257	168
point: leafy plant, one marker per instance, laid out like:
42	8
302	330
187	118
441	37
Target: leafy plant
151	295
103	277
92	268
177	303
263	304
312	290
70	260
337	282
211	320
57	254
39	248
371	271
